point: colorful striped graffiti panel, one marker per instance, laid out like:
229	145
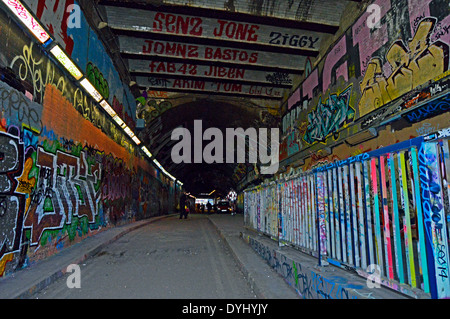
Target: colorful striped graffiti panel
388	207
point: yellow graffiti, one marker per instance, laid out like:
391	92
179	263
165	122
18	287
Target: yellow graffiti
273	109
412	65
26	185
3	261
443	75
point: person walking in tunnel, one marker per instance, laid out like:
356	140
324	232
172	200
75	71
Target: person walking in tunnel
233	208
209	207
183	206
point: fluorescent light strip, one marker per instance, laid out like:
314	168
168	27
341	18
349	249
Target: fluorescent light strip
119	121
91	90
128	131
70	66
27	19
157	163
163	170
146	151
62	57
39	32
108	108
136	140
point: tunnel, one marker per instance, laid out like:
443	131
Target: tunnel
322	127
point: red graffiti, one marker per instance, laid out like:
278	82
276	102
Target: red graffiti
236	30
171	23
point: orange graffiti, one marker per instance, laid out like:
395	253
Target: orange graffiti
317	160
85	133
3	124
3	261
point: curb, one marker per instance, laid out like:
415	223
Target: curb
28	292
247	274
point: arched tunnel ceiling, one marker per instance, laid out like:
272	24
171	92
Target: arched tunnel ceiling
214	112
225	62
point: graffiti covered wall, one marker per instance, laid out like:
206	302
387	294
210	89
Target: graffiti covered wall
384	209
346	197
372	74
66	171
310	284
67	23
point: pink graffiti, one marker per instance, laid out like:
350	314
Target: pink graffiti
370	40
337	52
310	83
442	31
342	70
294	98
418	9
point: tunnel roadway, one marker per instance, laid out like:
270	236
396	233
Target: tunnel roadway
170	258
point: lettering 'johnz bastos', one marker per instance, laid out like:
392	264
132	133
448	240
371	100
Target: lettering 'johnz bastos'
213	151
192	51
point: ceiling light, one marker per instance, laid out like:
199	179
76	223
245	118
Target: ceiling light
146	151
128	131
162	169
62	57
91	89
108	108
119	121
27	19
136	140
157	163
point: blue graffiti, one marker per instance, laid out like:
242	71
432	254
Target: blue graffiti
329	117
428	110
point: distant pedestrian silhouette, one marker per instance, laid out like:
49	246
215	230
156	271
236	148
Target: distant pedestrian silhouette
184	209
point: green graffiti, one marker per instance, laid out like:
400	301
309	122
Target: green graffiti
97	79
295	273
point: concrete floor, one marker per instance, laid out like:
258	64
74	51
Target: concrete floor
171	258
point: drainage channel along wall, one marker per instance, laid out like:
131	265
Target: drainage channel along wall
384	212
